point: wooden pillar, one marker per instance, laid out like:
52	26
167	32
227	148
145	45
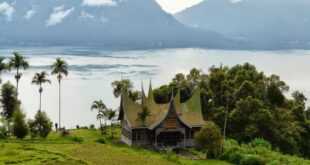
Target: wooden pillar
155	139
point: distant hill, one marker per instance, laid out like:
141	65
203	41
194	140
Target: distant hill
112	23
265	24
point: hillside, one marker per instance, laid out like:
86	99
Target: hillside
81	148
269	24
87	146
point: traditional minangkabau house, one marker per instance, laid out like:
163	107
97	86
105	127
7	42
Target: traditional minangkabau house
167	125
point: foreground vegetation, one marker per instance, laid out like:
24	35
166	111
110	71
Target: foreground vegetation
86	146
89	146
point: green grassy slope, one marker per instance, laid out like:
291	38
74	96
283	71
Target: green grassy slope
81	148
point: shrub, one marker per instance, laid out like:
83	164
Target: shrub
20	127
233	156
171	156
64	132
8	100
77	139
252	160
257	153
210	139
258	142
3	129
92	126
3	132
101	140
77	127
41	125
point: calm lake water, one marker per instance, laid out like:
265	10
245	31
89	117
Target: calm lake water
92	71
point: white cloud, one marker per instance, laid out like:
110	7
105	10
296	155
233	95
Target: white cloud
29	14
236	1
58	15
84	14
7	10
99	3
174	6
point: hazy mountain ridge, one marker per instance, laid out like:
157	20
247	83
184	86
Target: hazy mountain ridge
127	23
267	24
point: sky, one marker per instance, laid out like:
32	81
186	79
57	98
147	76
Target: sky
174	6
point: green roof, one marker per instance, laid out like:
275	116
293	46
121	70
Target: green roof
188	112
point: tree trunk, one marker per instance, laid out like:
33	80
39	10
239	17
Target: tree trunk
40	103
17	81
59	103
226	118
111	130
225	125
101	129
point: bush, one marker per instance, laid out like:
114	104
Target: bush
92	126
233	156
3	132
171	156
77	127
258	142
257	152
20	127
3	129
77	139
41	125
8	100
252	160
210	139
64	132
101	140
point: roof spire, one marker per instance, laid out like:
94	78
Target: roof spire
150	93
172	95
143	93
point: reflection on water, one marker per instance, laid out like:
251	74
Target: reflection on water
92	70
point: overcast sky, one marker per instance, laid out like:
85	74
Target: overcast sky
173	6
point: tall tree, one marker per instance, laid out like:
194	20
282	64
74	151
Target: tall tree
122	85
125	86
60	69
8	100
40	79
3	67
102	109
18	62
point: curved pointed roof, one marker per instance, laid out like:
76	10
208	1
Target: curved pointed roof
189	112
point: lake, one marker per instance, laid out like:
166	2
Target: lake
92	70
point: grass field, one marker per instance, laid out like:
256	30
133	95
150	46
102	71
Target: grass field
82	147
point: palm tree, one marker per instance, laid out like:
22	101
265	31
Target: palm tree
101	108
18	62
60	68
3	67
121	86
111	114
39	79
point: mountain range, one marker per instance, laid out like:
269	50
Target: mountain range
262	24
221	24
111	23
